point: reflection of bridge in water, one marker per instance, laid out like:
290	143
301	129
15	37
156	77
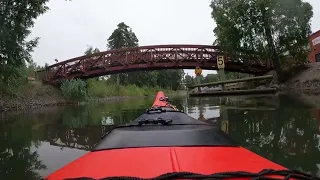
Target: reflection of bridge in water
79	138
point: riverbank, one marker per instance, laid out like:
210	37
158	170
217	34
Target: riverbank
38	95
306	81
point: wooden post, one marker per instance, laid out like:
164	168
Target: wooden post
224	117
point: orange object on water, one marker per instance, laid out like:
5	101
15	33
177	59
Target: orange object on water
158	103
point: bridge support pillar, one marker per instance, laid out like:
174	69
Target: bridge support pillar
222	77
198	82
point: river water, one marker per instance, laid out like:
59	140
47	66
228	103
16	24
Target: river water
279	128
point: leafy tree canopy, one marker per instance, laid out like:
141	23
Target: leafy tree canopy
16	19
262	29
122	37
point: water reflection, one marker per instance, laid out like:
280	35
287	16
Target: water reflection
17	159
278	128
287	136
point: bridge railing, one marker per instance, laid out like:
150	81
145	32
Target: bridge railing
140	57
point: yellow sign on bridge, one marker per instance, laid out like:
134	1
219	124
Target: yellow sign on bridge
198	71
220	62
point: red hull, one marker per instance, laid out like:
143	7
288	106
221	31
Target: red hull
151	162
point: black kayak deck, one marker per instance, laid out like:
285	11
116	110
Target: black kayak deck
183	131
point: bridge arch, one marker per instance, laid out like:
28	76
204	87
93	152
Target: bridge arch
147	58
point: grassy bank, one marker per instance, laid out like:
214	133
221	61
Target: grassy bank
31	95
79	90
34	94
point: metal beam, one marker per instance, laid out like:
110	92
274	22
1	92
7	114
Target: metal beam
232	81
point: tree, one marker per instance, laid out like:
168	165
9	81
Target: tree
16	20
262	29
90	50
122	37
211	78
189	80
170	78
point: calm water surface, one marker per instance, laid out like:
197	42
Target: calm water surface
278	128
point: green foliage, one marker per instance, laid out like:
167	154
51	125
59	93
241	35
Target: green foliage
16	85
17	17
95	88
13	85
167	79
75	89
101	89
262	29
122	37
90	50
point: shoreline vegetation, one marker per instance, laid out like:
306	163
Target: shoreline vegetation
75	92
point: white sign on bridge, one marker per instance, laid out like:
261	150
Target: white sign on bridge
316	41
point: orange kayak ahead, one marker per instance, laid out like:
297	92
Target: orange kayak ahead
165	143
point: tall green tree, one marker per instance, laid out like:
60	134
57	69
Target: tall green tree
262	29
16	19
122	37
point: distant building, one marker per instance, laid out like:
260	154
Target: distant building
314	42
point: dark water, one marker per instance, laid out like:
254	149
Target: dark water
278	128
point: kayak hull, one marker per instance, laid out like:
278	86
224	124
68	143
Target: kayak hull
151	162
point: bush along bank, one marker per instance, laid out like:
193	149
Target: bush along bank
101	90
35	94
31	95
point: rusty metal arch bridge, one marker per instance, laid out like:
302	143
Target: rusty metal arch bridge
147	58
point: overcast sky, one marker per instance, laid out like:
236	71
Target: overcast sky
68	28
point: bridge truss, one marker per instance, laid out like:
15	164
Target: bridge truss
147	58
